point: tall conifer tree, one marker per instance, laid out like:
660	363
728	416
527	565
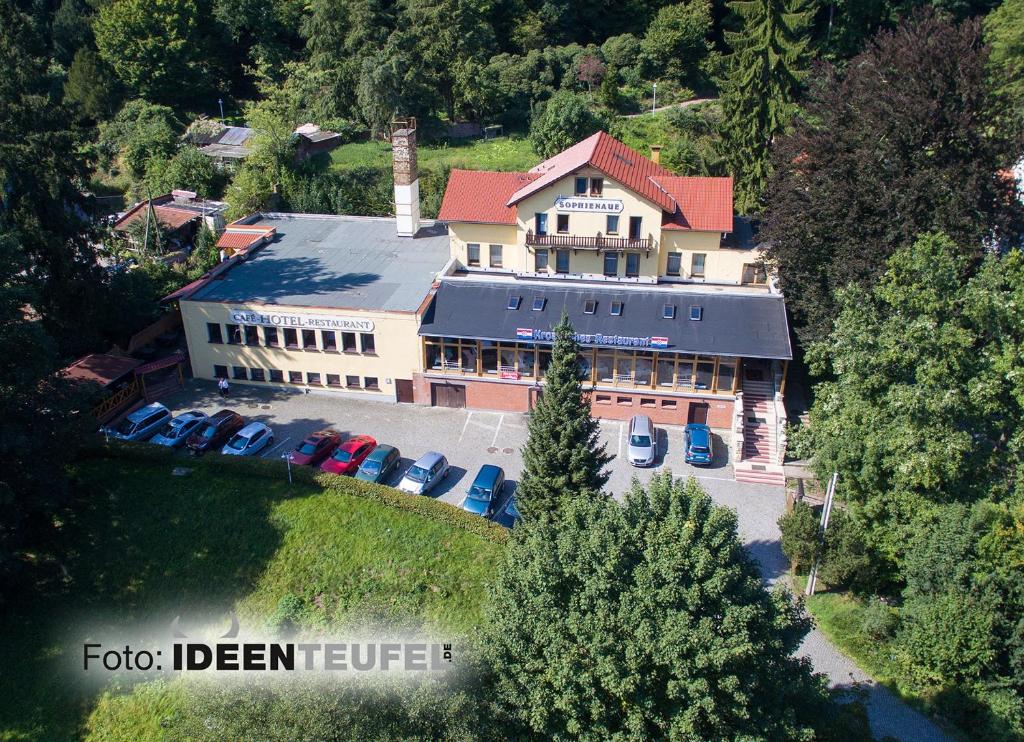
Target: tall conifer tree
765	70
561	459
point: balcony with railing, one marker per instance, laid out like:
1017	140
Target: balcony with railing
598	243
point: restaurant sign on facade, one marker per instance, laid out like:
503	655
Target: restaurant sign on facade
301	321
546	336
566	204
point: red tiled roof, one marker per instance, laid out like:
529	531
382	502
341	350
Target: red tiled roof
705	204
101	368
611	157
481	196
170	217
240	238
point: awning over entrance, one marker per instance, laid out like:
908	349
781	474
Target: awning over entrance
750	325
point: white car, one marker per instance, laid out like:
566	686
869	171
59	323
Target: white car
176	432
643	441
249	441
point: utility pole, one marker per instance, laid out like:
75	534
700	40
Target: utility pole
826	513
654	103
220	102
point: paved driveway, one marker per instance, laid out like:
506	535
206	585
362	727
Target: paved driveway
471	439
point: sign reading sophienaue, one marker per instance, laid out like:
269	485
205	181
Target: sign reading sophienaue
598	205
301	321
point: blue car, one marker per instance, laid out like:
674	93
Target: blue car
485	492
177	431
699	450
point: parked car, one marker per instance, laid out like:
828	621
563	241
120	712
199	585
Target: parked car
643	441
509	515
699	449
349	455
249	441
379	465
429	469
176	432
215	432
141	424
485	492
317	447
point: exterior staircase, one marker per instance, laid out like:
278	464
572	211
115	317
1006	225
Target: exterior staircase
758	445
157	390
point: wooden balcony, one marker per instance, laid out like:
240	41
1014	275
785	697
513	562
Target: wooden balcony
597	243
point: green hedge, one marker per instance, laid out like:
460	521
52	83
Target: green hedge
253	468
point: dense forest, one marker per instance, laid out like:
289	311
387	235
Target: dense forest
874	140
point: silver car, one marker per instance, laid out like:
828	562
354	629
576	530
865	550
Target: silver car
141	424
249	441
643	441
177	431
423	475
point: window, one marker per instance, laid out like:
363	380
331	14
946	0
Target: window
648	402
697	271
291	338
675	263
668	312
624	401
309	340
581	186
330	340
348	342
540	223
602	399
513	302
635	227
668	404
368	342
473	254
561	261
538	303
540	261
632	264
239	372
295	377
270	338
611	264
611	224
495	256
313	378
213	333
696	313
276	375
589	306
234	334
220	372
252	335
333	380
596	186
256	374
352	382
371	382
754	273
563	224
616	310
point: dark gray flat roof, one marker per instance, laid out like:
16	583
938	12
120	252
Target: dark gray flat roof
740	324
335	261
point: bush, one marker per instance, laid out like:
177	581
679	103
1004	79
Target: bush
288	616
879	620
800	541
845	560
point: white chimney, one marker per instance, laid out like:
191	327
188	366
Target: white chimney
407	179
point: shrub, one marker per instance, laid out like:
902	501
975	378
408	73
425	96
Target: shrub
879	620
288	616
800	542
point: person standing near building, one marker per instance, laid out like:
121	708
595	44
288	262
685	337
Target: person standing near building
222	385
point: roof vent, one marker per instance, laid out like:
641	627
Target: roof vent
696	312
668	312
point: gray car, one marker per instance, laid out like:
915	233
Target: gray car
142	424
177	431
643	441
423	476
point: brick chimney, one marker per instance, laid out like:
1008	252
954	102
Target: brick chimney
407	179
656	154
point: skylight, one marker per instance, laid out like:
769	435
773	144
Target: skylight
513	302
616	309
696	312
668	312
589	306
538	303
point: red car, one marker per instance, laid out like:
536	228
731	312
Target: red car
315	448
349	455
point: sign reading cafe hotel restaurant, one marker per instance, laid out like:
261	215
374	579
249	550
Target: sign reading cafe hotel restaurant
545	336
598	205
301	321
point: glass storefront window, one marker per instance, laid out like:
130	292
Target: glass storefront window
451	355
543	360
624	368
605	366
666	372
507	358
586	361
726	373
684	373
433	356
644	366
526	361
468	356
489	356
705	375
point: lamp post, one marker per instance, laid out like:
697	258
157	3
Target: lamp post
220	102
654	103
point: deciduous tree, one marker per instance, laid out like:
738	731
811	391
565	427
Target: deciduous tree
562	121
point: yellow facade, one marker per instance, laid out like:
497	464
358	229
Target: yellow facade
395	354
720	265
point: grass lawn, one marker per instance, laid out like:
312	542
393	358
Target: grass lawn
503	153
148	541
